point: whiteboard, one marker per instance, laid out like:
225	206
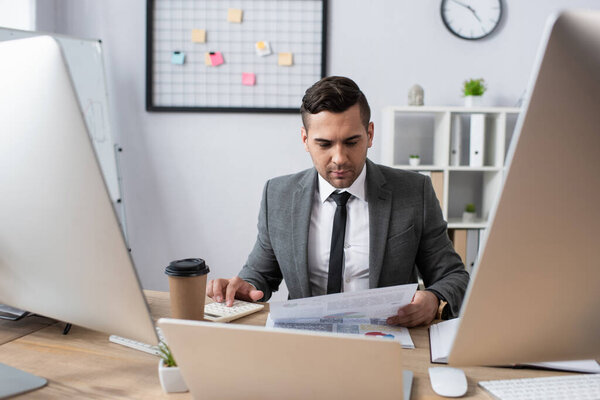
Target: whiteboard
85	63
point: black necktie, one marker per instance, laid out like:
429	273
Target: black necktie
336	255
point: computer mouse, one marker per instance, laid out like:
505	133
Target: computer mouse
448	382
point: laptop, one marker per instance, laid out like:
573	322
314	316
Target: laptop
224	361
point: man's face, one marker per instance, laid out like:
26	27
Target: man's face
338	143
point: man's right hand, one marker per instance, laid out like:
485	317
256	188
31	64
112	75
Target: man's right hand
229	289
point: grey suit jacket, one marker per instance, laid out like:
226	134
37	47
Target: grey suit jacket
406	227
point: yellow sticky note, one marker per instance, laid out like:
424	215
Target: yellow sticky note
199	35
207	60
234	15
285	59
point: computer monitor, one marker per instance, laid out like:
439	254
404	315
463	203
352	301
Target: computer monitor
62	252
535	293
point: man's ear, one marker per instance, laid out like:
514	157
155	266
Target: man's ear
370	133
304	134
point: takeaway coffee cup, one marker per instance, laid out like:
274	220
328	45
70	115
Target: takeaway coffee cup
187	286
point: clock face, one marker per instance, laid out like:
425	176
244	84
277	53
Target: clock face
471	19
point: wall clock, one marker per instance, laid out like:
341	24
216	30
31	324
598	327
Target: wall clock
471	19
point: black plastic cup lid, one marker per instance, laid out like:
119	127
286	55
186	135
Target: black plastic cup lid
187	267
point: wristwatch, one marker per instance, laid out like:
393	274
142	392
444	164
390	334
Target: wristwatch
443	310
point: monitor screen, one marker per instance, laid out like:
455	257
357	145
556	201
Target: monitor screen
62	252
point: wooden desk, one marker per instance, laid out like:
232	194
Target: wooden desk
84	364
11	330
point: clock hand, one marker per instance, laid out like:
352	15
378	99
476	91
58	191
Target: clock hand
462	4
469	8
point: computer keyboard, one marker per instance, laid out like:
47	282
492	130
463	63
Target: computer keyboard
219	312
568	387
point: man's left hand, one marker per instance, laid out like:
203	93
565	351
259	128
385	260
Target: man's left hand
420	311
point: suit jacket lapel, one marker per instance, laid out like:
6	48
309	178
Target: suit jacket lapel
380	206
301	211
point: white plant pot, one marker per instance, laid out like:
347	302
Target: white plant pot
473	101
469	216
413	162
171	379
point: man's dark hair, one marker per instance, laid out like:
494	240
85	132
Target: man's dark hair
334	94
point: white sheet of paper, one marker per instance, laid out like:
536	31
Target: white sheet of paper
370	303
588	366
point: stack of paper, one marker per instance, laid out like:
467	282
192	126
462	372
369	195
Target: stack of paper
442	335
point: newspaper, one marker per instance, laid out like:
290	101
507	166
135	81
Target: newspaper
354	326
379	303
362	312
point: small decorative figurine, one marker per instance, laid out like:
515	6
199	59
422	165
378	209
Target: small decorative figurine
416	96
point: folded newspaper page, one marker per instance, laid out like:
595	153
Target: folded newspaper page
372	327
377	303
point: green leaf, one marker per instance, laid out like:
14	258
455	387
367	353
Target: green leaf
474	87
166	355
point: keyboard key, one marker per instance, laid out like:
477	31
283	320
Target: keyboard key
219	312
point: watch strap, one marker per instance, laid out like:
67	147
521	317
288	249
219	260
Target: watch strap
442	312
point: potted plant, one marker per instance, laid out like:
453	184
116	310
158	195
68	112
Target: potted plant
470	213
414	160
168	371
473	89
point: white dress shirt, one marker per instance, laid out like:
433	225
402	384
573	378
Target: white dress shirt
356	239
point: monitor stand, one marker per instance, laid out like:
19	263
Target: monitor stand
11	313
14	381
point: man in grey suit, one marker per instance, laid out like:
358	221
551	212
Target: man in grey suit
349	224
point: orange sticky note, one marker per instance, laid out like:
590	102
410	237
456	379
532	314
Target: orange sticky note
216	58
248	79
262	48
199	35
285	59
207	60
234	15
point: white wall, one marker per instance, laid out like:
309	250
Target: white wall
193	182
17	14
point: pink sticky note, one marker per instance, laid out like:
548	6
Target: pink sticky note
248	79
216	58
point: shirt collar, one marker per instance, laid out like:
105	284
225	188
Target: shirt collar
357	189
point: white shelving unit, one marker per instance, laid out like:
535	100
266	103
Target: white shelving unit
428	132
